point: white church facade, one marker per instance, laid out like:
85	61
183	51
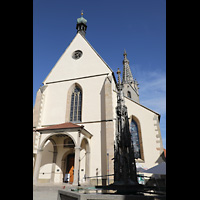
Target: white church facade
74	118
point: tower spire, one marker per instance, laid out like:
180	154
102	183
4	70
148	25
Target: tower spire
81	25
127	75
130	86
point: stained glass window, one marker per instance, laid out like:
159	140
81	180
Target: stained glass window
135	138
76	104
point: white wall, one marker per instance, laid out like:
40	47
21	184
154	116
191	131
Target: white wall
68	68
148	130
54	109
46	163
55	103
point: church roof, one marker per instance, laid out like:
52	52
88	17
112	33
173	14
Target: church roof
164	152
81	20
66	125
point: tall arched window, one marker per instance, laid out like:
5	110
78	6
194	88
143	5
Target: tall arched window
76	105
135	138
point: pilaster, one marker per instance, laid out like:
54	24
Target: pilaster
77	160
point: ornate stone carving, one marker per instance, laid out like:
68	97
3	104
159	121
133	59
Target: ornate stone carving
124	160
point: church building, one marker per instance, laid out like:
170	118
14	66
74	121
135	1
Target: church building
74	118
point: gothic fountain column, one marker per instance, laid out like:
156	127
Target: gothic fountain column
124	160
125	174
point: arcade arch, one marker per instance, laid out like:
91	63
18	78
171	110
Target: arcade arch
84	160
60	152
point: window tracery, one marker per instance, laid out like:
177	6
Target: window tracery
76	105
135	138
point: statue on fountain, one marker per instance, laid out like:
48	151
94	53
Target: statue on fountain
125	175
124	160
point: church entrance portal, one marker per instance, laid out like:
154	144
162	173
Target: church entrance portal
70	167
62	159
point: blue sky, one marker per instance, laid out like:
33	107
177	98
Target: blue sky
139	26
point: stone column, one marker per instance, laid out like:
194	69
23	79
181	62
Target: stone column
77	161
53	167
87	166
37	166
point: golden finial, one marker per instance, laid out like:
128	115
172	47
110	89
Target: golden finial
81	12
118	71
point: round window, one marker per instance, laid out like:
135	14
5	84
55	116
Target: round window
77	54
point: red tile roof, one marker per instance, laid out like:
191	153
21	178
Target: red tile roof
60	126
164	152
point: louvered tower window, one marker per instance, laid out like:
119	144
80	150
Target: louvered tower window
129	94
76	105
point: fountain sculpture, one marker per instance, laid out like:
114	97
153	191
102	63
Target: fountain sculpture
125	184
125	176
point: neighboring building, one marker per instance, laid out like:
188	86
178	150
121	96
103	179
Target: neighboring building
74	118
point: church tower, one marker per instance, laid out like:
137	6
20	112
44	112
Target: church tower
81	25
131	89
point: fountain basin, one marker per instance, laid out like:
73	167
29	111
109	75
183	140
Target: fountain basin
100	194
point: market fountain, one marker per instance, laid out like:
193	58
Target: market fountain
125	184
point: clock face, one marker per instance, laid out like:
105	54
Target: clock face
77	54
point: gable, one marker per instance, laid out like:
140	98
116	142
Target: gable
89	64
129	102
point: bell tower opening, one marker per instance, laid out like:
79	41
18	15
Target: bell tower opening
81	25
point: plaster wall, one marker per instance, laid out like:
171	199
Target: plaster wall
99	100
68	68
55	106
149	131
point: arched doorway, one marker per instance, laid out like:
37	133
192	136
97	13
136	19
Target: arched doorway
48	161
67	141
84	161
67	162
57	158
70	168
